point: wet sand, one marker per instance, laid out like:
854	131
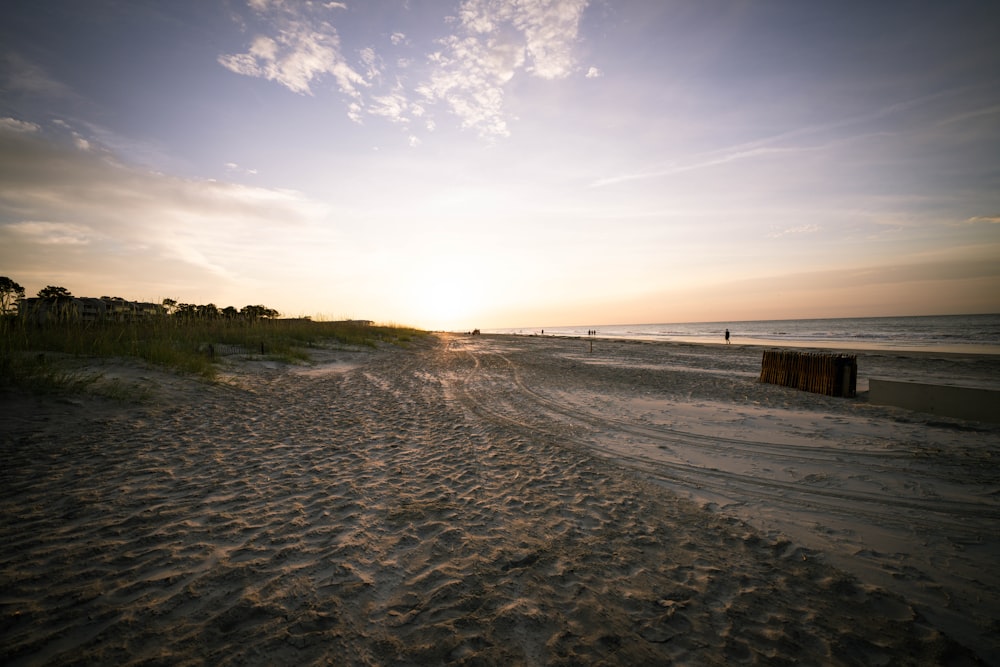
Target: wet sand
499	500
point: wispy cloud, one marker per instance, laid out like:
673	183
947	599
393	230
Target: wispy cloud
795	140
238	169
469	77
19	75
373	64
988	219
703	161
52	233
81	142
798	229
56	200
969	115
15	125
303	48
488	44
550	31
394	106
491	44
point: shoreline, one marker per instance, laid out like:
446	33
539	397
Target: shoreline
825	346
498	499
957	366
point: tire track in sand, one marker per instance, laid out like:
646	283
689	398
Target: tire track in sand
529	407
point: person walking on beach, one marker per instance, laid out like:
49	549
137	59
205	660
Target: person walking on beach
727	336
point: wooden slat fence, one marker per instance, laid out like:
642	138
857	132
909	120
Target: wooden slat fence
830	374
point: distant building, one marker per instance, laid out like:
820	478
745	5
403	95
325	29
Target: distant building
86	309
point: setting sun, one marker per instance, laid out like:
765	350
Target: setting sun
447	297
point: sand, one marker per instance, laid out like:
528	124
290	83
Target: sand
499	500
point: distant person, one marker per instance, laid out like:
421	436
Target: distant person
727	336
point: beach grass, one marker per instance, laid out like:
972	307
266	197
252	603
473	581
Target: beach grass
192	345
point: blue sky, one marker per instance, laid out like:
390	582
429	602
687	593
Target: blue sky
506	164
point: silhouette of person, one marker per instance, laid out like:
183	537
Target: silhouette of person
727	336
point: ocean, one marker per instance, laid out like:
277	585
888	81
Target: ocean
959	333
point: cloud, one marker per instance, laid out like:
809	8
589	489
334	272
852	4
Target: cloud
372	62
83	212
849	129
52	233
233	167
988	219
489	44
969	115
550	31
393	106
18	75
14	125
302	50
469	77
81	142
800	229
706	160
594	73
495	41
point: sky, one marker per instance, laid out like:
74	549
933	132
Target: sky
520	163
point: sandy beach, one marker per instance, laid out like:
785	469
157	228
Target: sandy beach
500	500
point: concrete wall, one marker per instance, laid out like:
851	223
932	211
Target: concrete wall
938	399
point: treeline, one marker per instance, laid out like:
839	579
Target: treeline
212	312
58	299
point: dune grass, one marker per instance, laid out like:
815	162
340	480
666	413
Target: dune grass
186	345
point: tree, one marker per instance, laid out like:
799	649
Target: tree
208	311
53	292
10	294
258	312
170	306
